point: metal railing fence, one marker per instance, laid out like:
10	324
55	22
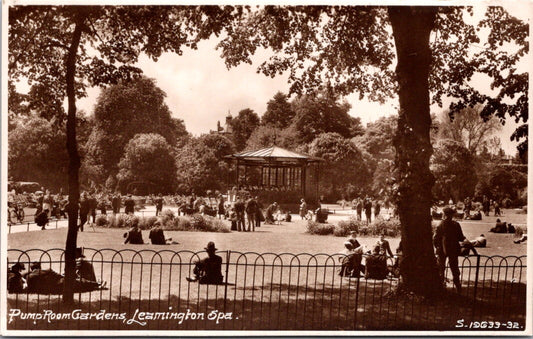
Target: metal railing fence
267	291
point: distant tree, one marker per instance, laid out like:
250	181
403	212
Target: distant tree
468	128
219	144
37	152
197	168
342	160
378	138
452	165
279	112
321	113
268	135
148	158
122	111
243	126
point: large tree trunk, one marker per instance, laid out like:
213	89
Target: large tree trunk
73	166
411	29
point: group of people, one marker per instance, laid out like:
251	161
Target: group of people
366	205
375	266
47	281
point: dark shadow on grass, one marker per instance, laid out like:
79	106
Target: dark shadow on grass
370	305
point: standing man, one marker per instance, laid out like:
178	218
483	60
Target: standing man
239	211
359	209
251	212
368	210
448	236
129	205
115	203
84	210
93	204
258	212
158	204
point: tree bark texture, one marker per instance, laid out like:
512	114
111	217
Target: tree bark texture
411	30
73	167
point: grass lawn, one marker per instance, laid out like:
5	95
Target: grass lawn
288	237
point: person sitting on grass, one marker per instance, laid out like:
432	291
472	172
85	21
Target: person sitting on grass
466	247
15	282
383	246
351	261
269	213
134	235
522	239
480	241
501	227
157	236
208	270
50	282
476	215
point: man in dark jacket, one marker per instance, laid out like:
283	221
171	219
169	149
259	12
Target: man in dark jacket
251	212
134	235
447	242
129	205
239	211
115	202
15	281
208	270
158	204
41	219
84	210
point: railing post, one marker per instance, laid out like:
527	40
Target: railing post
228	254
9	225
475	285
28	227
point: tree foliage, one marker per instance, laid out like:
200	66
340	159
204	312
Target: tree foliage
148	158
122	111
322	113
468	128
452	165
279	112
197	168
37	152
342	160
242	127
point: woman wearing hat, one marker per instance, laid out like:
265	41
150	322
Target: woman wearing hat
303	209
208	270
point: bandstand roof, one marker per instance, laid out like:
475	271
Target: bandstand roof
273	155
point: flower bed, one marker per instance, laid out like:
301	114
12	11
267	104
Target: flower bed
169	222
390	228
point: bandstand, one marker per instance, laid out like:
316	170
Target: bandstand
276	174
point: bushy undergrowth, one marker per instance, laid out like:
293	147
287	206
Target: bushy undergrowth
314	227
169	222
343	228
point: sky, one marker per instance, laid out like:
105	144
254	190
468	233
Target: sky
201	90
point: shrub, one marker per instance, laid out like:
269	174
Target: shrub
390	228
147	223
344	227
314	227
101	220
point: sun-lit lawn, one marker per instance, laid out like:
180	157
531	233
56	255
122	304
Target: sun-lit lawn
288	237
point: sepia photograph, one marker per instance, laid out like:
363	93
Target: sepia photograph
265	169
